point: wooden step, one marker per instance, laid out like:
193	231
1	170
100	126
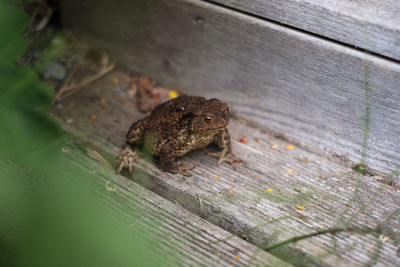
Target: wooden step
323	94
184	238
282	192
359	24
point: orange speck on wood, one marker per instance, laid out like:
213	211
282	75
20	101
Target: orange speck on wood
300	207
243	140
289	147
128	79
391	187
237	257
289	171
230	191
103	100
216	177
115	79
93	117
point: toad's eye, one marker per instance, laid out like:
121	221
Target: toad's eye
208	119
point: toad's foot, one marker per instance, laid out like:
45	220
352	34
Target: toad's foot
182	169
226	157
126	158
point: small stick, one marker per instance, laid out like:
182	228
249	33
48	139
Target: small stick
71	89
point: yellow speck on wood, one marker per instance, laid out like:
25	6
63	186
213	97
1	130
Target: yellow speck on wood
173	94
289	171
93	117
217	177
237	257
269	190
300	207
230	191
115	79
289	147
256	139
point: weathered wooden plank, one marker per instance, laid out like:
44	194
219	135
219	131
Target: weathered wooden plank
308	89
372	25
332	194
183	238
188	239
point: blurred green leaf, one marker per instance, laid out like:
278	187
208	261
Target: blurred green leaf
51	213
12	24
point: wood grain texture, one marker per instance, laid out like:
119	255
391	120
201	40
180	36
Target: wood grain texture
372	25
186	239
180	237
332	195
310	90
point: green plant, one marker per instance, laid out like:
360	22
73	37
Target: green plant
50	214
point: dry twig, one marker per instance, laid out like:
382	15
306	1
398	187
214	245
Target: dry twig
43	13
67	90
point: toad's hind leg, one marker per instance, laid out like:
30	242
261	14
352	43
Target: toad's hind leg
223	140
169	163
126	158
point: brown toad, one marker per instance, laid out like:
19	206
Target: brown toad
176	127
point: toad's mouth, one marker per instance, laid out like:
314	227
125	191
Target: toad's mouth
212	130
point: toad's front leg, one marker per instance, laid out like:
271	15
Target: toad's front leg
223	140
169	163
129	154
126	158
